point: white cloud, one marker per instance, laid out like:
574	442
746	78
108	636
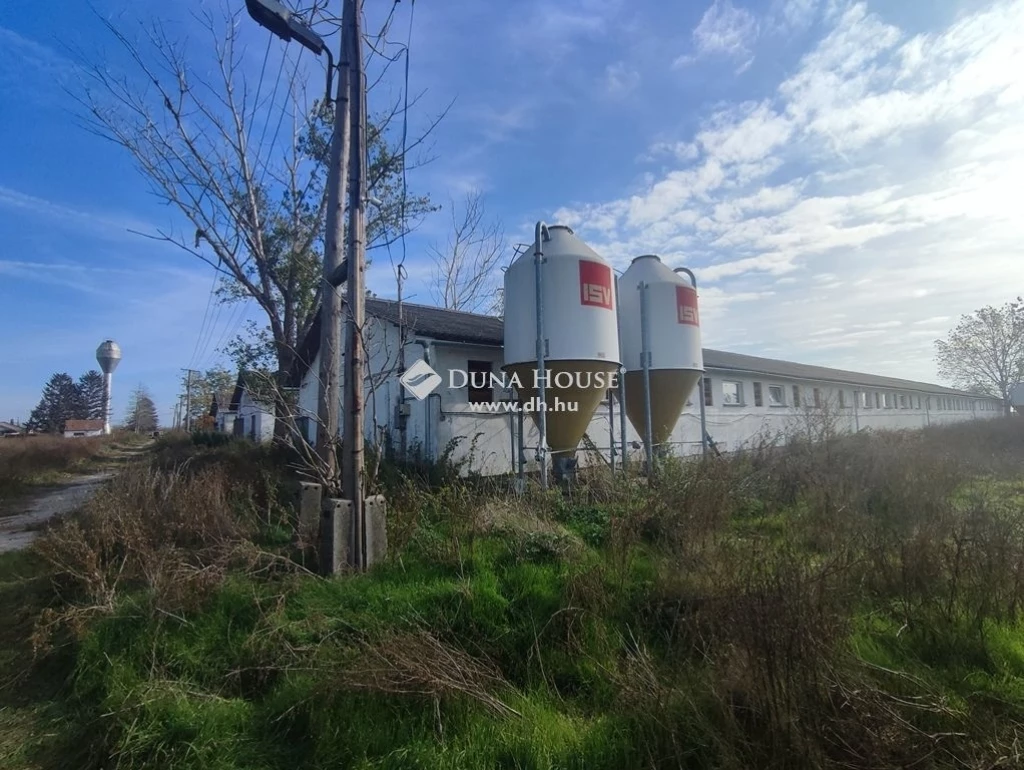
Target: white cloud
108	225
724	30
788	16
620	79
888	164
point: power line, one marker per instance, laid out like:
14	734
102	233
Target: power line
405	131
202	327
259	88
280	120
232	315
213	325
273	99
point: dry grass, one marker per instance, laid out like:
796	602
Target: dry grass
27	459
851	602
173	535
418	663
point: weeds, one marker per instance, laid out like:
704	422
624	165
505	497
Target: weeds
26	459
847	602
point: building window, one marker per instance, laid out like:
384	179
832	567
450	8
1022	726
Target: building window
903	401
878	400
865	399
817	398
918	402
842	399
889	400
758	395
707	393
732	393
776	395
796	395
478	389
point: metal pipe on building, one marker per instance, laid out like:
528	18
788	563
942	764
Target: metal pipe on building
700	383
542	414
622	416
645	362
703	417
611	432
521	441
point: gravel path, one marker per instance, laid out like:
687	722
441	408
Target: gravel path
20	529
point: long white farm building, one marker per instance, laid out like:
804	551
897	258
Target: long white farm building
744	396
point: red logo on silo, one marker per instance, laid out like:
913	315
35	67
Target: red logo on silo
686	306
595	284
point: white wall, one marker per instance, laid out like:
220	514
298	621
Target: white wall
487	439
258	420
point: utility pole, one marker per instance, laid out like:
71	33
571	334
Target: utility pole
188	398
277	18
348	145
329	397
352	447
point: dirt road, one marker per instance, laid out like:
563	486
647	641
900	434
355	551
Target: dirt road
20	528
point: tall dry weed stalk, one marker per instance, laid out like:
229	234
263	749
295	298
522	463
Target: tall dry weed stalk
172	534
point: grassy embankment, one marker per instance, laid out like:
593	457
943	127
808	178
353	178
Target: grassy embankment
851	604
30	462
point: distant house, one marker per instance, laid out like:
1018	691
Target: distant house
79	428
252	411
9	429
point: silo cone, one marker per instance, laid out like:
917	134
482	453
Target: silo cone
580	335
566	428
676	362
669	390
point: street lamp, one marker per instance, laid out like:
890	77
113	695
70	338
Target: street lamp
283	23
275	17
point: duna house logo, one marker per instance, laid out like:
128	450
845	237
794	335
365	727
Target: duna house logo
420	379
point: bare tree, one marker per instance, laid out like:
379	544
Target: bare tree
246	168
465	268
985	352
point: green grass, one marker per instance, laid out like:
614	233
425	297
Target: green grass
687	626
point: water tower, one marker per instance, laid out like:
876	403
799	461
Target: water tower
108	354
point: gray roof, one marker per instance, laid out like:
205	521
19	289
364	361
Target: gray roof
441	324
738	362
473	328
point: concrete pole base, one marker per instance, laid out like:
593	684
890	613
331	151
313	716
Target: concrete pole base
337	551
335	535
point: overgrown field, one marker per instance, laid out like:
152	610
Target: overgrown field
855	603
29	459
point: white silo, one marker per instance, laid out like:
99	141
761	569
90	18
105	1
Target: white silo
562	352
661	353
108	355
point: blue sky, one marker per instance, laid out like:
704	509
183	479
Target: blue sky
844	177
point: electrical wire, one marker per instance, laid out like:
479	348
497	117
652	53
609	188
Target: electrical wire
273	99
405	134
280	119
202	327
259	88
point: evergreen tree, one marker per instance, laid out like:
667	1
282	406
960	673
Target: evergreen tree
141	415
61	401
90	386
